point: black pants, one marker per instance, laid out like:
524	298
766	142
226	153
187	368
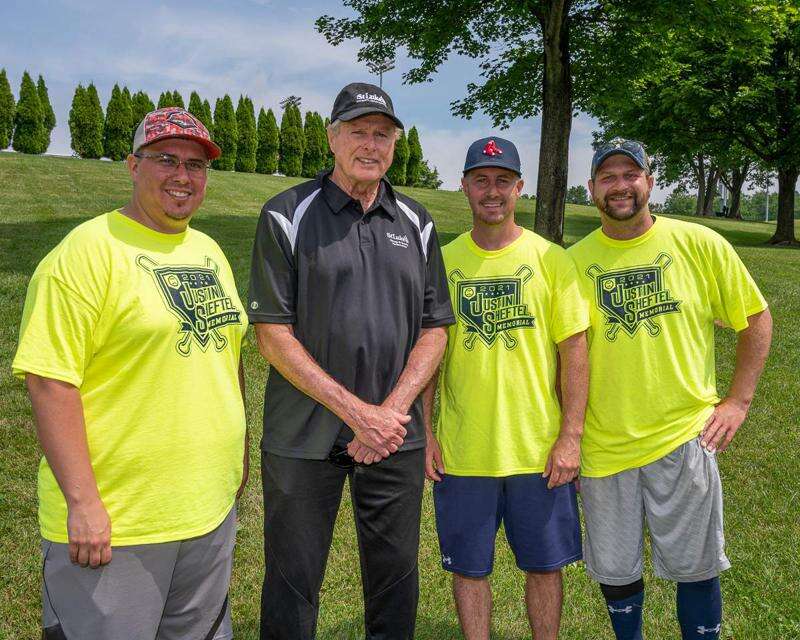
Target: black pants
301	500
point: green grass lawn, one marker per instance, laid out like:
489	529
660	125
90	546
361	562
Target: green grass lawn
42	198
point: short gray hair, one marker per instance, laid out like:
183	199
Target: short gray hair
334	127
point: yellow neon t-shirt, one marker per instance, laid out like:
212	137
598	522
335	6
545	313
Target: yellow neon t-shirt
499	414
148	326
653	302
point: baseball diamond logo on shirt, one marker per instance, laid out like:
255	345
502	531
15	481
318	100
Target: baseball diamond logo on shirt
492	307
196	297
633	296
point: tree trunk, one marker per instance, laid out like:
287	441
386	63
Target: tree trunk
700	175
711	192
738	176
736	202
784	230
551	187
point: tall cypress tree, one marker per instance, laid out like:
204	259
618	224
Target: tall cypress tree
126	96
323	141
397	172
329	159
141	105
7	110
116	144
207	118
314	152
414	166
28	119
246	140
165	100
225	133
197	109
78	119
48	115
177	100
292	142
268	143
95	124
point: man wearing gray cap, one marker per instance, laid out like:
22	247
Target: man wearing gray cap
506	447
654	422
349	301
130	348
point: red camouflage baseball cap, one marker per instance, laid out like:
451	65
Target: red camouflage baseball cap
173	122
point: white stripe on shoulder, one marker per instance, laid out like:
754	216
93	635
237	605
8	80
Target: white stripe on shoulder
284	222
424	234
291	228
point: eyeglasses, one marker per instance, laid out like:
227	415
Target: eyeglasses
169	163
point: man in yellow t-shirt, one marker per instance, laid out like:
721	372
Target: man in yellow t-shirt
130	348
654	420
504	451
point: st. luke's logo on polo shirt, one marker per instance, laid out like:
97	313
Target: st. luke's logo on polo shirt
196	297
631	298
492	308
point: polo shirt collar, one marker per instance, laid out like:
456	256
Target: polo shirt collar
337	199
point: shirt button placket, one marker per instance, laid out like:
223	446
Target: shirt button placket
364	236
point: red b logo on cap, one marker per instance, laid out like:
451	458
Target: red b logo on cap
491	149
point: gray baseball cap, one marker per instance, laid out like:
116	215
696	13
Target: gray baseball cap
630	148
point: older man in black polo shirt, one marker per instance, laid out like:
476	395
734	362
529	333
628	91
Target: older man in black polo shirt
349	300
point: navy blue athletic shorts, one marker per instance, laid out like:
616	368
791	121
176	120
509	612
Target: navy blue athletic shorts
541	524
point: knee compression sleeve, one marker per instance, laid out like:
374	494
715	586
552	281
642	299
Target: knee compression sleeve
624	604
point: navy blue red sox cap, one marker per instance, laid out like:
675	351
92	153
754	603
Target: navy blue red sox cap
630	148
493	152
362	99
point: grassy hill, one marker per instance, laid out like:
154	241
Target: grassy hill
42	198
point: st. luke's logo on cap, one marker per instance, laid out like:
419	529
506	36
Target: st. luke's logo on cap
370	97
196	297
492	308
634	296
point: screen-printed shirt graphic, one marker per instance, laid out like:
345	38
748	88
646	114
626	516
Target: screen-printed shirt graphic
653	304
634	296
197	298
148	327
492	307
499	413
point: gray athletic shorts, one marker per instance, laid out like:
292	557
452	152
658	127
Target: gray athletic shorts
167	591
680	496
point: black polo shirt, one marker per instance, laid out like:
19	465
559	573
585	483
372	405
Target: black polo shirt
357	287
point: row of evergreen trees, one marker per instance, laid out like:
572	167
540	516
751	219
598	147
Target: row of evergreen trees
27	123
249	144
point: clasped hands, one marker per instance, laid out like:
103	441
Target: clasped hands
379	430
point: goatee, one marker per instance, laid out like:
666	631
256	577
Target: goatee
606	208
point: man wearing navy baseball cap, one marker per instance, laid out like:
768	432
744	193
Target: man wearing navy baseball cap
506	449
656	286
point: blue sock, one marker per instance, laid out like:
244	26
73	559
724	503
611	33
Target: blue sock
625	612
700	609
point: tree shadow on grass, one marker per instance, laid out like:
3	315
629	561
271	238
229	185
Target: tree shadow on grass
24	244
